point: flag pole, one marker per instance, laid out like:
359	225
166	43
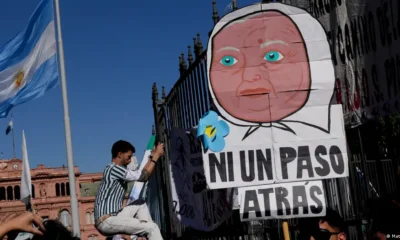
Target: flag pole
13	137
67	125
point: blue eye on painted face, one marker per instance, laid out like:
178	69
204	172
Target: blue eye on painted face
273	56
228	61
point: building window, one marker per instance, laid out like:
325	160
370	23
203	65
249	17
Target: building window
90	217
62	189
65	218
93	237
67	186
10	193
57	189
17	193
3	193
33	191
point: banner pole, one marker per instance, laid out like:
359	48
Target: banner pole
285	227
67	125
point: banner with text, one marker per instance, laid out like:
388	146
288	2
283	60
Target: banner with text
271	88
193	204
364	38
282	201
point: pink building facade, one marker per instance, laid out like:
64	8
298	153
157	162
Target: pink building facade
51	196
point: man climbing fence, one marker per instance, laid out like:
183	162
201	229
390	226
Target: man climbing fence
134	219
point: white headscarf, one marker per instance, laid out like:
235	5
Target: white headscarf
316	112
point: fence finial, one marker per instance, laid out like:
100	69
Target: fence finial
199	45
155	92
163	95
195	47
181	70
190	55
215	15
234	5
184	65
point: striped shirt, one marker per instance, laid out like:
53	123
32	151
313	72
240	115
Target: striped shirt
110	196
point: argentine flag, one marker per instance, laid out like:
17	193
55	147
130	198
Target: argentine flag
28	62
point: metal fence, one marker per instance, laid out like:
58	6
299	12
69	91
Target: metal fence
372	162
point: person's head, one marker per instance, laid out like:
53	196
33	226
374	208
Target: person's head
122	152
330	227
55	230
383	225
384	214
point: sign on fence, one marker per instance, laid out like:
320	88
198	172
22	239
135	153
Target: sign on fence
271	78
254	163
274	100
193	204
282	201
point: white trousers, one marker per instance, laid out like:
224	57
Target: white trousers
131	220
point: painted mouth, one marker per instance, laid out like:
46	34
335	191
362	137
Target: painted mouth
255	92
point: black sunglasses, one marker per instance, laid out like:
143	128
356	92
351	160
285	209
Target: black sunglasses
323	234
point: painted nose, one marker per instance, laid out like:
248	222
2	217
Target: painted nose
251	74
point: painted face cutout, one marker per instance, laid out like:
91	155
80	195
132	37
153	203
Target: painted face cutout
259	70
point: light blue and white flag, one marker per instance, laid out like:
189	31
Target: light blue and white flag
28	62
139	188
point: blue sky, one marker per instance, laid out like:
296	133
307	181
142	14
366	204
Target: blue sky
114	51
